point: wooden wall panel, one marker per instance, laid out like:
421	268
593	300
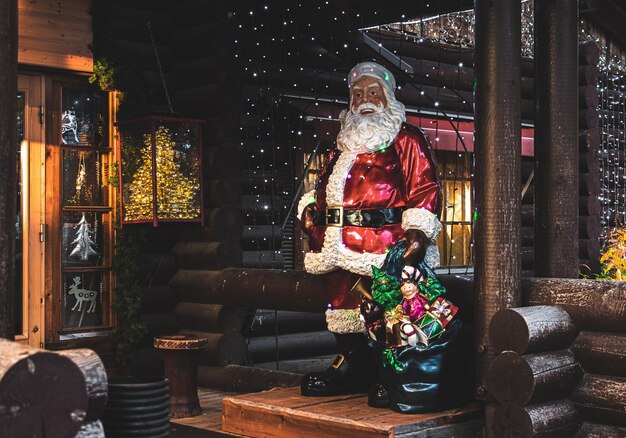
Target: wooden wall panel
55	34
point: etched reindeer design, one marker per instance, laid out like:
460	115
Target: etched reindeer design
70	126
83	295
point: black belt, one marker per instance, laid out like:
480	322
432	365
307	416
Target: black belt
338	217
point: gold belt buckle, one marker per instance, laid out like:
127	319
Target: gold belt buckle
329	216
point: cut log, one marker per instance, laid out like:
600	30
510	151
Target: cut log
213	318
259	237
207	255
242	379
222	224
222	161
41	393
589	227
555	419
91	429
95	376
601	353
593	430
593	305
222	349
533	377
292	346
588	162
589	184
601	399
531	329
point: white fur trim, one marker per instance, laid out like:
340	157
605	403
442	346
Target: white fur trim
307	199
344	321
421	219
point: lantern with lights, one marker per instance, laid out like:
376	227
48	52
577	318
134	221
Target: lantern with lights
160	170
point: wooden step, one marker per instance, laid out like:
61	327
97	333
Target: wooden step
283	412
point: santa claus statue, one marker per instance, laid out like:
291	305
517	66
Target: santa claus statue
379	186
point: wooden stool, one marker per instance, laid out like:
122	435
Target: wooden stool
180	353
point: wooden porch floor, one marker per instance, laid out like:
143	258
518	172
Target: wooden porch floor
283	412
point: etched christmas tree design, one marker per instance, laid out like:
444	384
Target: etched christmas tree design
84	245
176	192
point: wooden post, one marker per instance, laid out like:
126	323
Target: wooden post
497	64
8	157
556	139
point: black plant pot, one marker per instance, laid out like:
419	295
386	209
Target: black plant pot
138	406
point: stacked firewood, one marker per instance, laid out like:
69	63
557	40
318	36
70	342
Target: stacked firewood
598	308
51	394
534	373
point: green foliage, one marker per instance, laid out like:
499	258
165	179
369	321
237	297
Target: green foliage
613	259
128	295
104	74
114	175
385	289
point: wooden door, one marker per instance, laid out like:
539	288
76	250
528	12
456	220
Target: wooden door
30	217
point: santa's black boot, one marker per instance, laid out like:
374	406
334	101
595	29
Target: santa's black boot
352	371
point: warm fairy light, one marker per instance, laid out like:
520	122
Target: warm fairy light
177	183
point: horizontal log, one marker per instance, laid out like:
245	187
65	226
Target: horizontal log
588	118
222	161
589	206
268	322
588	53
531	329
601	399
220	192
553	419
160	324
589	140
155	268
221	224
589	249
222	349
94	373
589	184
262	205
261	237
588	75
263	259
601	353
589	162
582	300
291	346
589	227
528	215
588	96
41	393
594	430
160	299
210	317
244	379
533	378
207	255
254	288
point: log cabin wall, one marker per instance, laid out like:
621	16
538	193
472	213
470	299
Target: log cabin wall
561	367
55	34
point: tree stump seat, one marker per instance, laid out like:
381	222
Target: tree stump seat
180	354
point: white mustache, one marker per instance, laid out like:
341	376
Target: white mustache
366	106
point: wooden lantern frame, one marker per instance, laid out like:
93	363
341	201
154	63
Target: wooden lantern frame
151	122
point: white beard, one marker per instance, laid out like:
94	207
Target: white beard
370	132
